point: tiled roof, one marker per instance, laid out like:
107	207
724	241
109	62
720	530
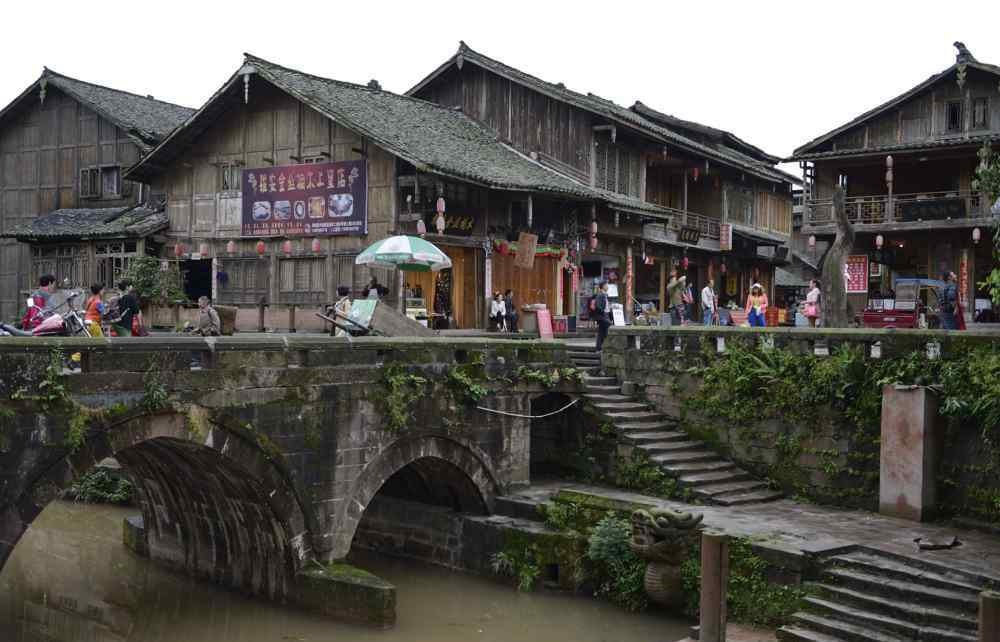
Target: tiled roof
805	151
603	107
433	138
91	223
930	143
145	119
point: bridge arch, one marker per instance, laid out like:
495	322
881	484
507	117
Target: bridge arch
214	501
467	472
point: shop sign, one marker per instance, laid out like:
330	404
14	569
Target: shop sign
689	235
938	209
726	237
526	245
963	279
856	274
454	225
321	199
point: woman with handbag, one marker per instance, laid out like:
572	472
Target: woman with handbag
811	306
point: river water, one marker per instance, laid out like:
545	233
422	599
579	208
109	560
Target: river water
71	580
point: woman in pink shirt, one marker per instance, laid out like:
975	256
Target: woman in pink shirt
756	306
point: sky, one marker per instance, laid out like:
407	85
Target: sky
777	74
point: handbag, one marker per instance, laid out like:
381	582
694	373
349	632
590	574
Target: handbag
811	310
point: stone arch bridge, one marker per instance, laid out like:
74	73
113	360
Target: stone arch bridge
266	457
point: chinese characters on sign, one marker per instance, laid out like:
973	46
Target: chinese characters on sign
726	237
856	273
321	199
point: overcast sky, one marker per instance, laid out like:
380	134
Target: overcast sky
775	73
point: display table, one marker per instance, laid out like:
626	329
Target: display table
739	317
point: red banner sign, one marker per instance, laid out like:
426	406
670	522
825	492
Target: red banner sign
856	274
726	237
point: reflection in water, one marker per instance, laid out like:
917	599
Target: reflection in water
71	580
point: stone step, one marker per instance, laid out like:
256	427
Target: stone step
586	363
730	474
698	468
735	488
874	563
909	591
631	425
635	416
879	621
755	497
906	611
793	633
670	446
655	436
580	351
608	407
685	456
606	396
609	389
599	381
518	508
842	630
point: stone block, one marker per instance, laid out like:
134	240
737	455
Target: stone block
345	593
910	449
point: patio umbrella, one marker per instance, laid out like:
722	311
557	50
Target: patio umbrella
406	253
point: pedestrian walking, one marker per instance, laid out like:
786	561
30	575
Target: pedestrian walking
949	302
128	311
676	287
811	306
94	310
601	312
756	307
709	304
511	308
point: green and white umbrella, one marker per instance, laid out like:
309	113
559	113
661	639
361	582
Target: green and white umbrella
406	253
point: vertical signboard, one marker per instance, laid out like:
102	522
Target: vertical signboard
856	273
526	246
316	199
726	237
963	279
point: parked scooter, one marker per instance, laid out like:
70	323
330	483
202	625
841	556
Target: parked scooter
54	324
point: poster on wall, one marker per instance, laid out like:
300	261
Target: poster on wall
856	273
726	237
321	199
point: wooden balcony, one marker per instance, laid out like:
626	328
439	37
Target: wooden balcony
901	210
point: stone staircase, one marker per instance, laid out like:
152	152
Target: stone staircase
710	478
866	595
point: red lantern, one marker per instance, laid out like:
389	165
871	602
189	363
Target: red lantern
261	248
316	247
593	242
722	268
684	263
695	172
286	247
231	247
879	241
440	205
178	250
976	235
421	228
593	228
812	241
504	248
203	249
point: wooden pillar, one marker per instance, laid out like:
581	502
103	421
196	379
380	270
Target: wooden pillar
291	317
714	587
663	286
989	616
684	204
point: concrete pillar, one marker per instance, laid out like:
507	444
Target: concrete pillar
989	616
714	587
910	451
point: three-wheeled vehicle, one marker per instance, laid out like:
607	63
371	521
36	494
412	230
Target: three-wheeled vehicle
917	305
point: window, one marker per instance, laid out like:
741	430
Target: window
231	177
980	113
953	116
315	159
101	182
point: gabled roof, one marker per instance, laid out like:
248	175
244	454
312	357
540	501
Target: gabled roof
433	138
963	60
91	223
145	119
600	106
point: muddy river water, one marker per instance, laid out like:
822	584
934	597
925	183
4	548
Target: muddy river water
70	579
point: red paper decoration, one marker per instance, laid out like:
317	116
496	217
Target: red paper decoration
286	247
231	247
261	248
178	250
316	247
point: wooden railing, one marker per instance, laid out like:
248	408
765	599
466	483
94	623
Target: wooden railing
874	210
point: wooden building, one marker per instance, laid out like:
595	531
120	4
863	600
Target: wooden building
688	193
64	146
907	166
271	120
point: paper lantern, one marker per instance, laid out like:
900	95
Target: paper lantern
879	241
439	206
685	263
261	248
439	222
231	247
178	250
286	247
316	247
593	228
421	228
812	241
722	268
203	249
695	173
593	242
976	235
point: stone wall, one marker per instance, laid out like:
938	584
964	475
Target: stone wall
829	458
412	529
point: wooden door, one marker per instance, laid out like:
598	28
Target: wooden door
537	285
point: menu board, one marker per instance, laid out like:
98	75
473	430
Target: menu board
313	199
856	273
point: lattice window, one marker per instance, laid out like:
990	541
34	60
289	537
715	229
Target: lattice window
953	116
230	177
302	280
243	281
601	165
981	113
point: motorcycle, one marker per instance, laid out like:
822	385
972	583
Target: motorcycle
70	324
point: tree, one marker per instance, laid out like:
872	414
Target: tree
151	282
987	181
834	291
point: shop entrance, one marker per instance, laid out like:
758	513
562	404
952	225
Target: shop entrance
197	278
450	296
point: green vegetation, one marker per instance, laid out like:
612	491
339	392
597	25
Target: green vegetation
619	572
99	486
751	598
988	182
641	474
403	389
152	283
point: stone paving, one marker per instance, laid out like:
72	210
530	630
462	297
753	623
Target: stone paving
801	529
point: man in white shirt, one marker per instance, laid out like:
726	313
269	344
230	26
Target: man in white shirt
708	302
